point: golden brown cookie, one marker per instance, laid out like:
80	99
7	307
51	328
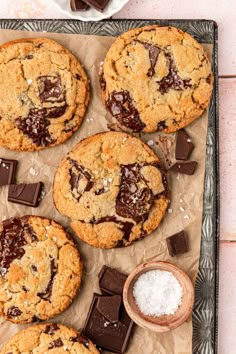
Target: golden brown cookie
156	79
44	93
113	188
49	338
40	269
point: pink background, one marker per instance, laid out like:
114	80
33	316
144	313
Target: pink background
223	12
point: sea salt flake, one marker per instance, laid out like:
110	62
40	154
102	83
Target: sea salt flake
181	209
186	217
158	293
29	81
33	172
150	142
170	211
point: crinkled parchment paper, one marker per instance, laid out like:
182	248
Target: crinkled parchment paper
185	209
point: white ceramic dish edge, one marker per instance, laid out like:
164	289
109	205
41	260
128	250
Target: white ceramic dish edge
91	15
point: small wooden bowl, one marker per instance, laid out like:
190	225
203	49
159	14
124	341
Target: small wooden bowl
163	323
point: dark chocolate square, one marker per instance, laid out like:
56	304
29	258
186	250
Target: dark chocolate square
97	4
184	145
178	243
112	336
109	307
111	281
7	171
187	168
78	5
26	194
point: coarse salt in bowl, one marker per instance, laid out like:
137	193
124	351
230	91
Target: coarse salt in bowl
158	296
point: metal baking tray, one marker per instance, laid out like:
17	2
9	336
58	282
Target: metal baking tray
206	288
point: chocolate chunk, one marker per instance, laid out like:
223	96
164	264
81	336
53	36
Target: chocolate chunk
12	241
109	307
35	126
29	57
187	168
125	226
184	146
36	319
97	4
50	89
78	5
25	289
55	343
100	191
81	179
133	201
161	126
121	107
7	171
13	311
46	294
51	329
172	80
80	339
105	334
177	243
34	268
111	281
26	194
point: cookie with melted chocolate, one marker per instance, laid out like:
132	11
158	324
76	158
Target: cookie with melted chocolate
50	91
156	79
40	269
49	337
113	188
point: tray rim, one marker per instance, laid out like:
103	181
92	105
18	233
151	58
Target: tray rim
216	182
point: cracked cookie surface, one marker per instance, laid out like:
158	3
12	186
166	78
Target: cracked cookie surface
156	79
40	269
44	93
49	338
113	188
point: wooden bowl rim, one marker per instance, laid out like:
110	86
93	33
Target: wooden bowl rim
148	322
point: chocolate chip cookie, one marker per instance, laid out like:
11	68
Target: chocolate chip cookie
49	337
44	93
114	189
156	79
40	269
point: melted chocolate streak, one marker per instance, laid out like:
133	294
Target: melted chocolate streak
121	106
35	125
127	206
75	178
46	294
172	80
12	240
126	227
154	52
131	201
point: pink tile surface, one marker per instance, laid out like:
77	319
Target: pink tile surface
227	303
228	158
